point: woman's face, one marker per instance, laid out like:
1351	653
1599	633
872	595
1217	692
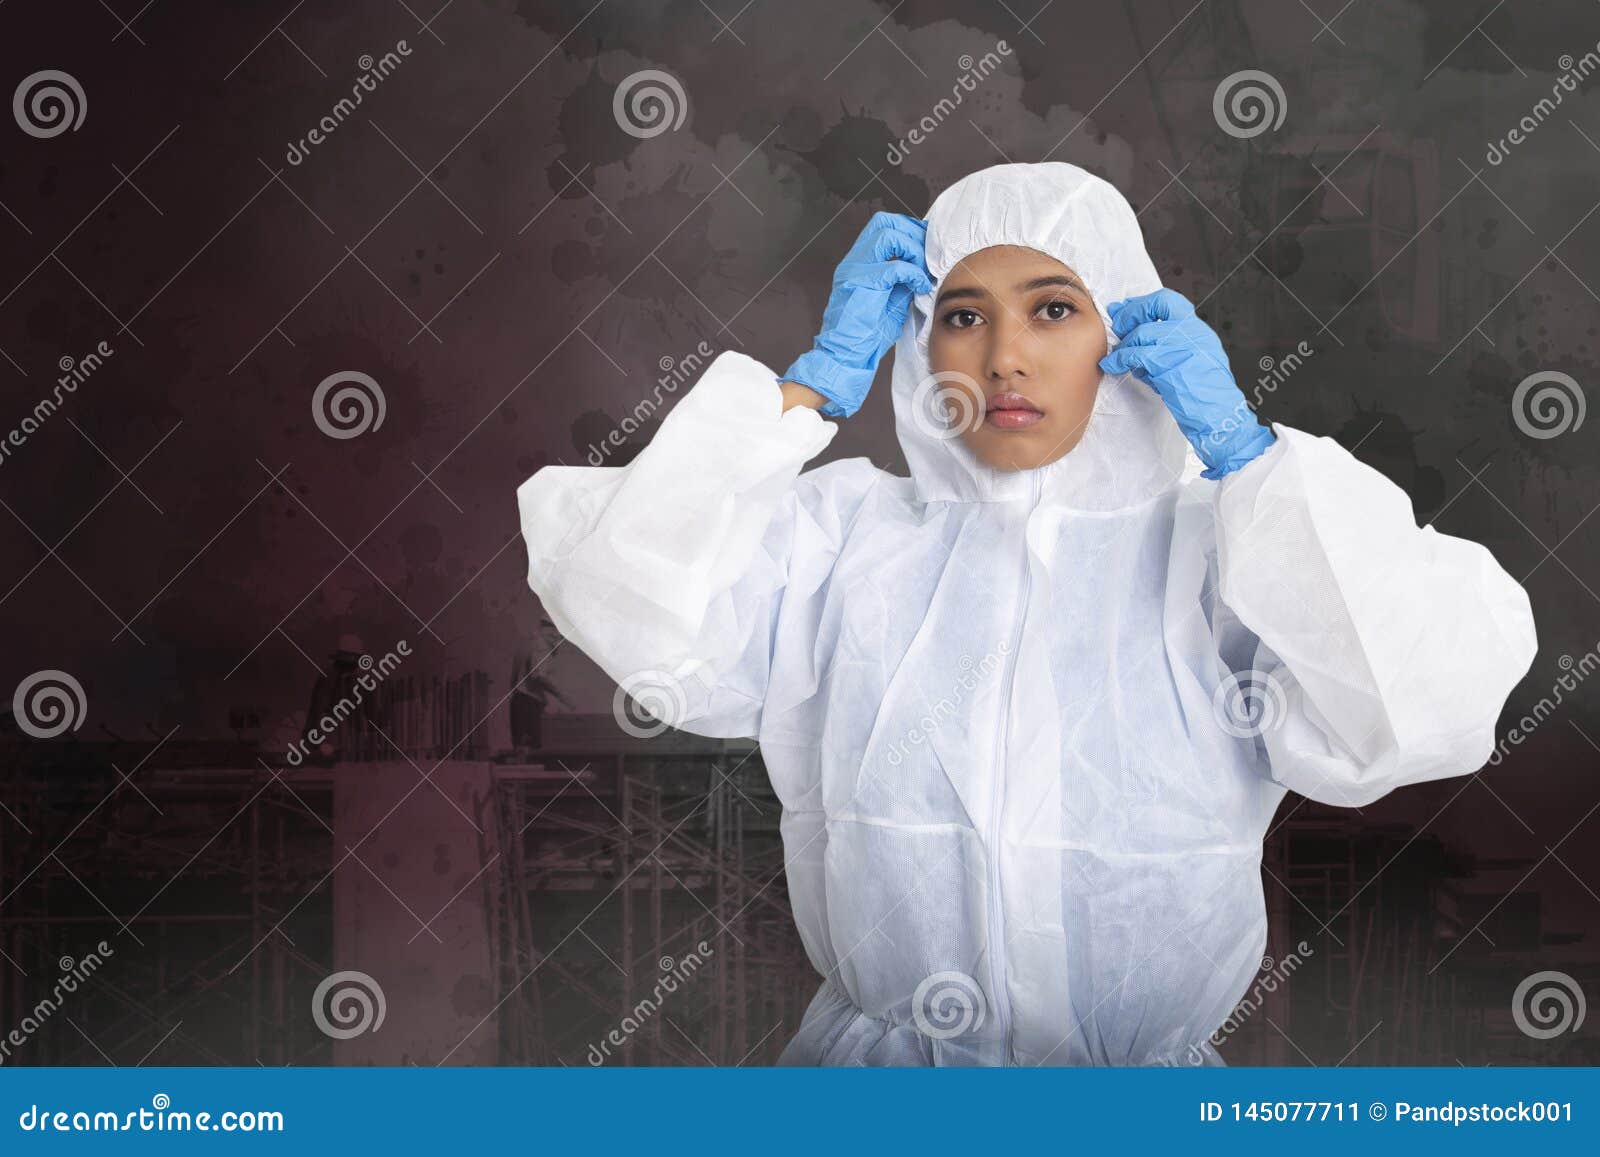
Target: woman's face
1016	331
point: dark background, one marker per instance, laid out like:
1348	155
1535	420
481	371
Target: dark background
514	272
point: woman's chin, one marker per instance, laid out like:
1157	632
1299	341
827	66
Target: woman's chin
1028	449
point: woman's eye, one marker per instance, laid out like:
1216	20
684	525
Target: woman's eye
961	319
1057	310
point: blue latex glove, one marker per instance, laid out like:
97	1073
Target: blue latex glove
872	291
1167	346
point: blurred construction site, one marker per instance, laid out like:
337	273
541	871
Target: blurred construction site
524	901
523	906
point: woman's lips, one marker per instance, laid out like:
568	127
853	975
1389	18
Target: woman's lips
1011	411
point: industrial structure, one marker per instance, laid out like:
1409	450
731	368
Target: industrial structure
527	907
522	905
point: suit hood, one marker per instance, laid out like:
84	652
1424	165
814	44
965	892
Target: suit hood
1132	449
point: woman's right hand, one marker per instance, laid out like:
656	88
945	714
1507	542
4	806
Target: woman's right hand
872	291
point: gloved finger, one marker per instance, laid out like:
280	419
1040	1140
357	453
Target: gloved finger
894	314
885	274
896	221
886	225
856	328
1176	343
878	322
1124	360
905	246
1156	333
1162	305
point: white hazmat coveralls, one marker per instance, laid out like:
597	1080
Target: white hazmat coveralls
1028	728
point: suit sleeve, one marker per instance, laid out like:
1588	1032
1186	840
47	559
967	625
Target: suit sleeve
1383	652
669	572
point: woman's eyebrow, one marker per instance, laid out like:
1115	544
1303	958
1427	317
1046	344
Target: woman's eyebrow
961	291
1052	279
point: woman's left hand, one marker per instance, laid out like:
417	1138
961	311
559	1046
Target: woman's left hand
1166	345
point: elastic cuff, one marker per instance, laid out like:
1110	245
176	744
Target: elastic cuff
1251	446
845	387
734	418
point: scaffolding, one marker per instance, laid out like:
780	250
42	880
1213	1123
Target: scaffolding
209	873
1373	902
213	935
645	853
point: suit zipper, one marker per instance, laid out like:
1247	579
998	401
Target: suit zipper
997	926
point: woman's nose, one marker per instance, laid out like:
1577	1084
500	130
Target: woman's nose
1009	354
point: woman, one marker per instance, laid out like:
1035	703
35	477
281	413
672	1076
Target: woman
1030	711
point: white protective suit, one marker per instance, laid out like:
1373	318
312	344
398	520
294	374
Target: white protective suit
1028	728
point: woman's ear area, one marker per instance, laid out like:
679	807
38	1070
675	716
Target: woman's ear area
922	308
